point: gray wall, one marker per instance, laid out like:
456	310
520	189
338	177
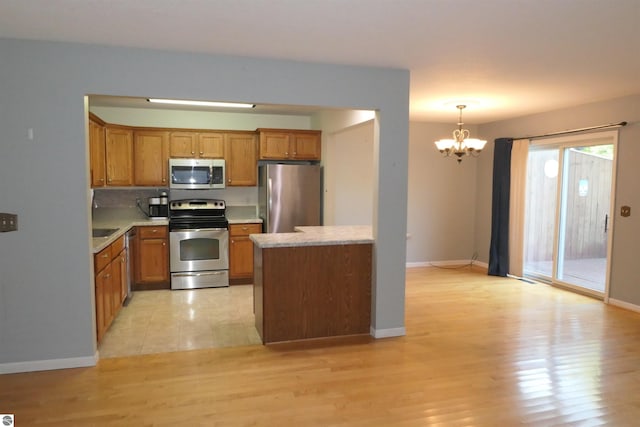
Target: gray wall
46	291
626	231
442	198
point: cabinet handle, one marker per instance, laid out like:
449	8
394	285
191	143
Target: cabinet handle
244	228
105	256
107	276
101	179
154	231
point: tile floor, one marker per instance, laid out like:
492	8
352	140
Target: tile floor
164	321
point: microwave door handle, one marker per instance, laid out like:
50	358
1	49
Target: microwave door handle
211	175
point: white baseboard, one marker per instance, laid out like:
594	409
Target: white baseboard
625	305
445	263
48	365
388	333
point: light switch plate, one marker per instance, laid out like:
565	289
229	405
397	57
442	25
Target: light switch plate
625	211
8	222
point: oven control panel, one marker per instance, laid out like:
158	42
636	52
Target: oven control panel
197	204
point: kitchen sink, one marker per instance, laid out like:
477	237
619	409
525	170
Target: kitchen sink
103	232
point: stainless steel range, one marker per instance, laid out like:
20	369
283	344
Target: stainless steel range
199	244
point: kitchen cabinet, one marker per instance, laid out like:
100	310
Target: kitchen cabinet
152	257
119	156
110	284
241	158
189	144
241	250
151	157
97	151
284	144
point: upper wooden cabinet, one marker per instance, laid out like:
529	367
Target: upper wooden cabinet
151	157
241	155
97	153
204	145
119	156
285	144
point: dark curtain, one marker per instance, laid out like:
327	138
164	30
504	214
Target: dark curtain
499	250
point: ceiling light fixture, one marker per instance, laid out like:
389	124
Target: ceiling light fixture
201	103
461	144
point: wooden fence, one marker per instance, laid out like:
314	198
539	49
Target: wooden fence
587	206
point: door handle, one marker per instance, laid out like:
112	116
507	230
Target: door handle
606	222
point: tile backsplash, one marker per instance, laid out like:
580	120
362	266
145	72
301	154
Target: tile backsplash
126	198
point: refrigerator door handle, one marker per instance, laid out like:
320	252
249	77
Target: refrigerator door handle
270	201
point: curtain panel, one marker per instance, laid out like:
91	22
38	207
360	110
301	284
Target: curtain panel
499	249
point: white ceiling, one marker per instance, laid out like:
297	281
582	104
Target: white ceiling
511	57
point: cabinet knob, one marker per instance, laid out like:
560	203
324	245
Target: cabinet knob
286	153
105	256
164	179
154	230
229	180
233	241
244	228
193	152
164	244
109	180
295	152
101	179
107	276
201	153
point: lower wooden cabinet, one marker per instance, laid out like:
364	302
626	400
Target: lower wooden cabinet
241	250
110	284
152	257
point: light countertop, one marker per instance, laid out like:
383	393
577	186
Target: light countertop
122	219
316	236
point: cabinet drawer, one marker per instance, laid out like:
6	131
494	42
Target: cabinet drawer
117	246
153	232
244	229
102	259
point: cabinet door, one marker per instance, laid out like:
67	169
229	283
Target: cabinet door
241	250
122	291
101	283
107	294
306	146
182	144
241	159
119	155
274	145
116	279
211	145
151	157
152	257
97	154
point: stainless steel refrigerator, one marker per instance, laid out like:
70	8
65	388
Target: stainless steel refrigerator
289	196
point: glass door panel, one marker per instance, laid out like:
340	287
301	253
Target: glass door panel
584	216
541	201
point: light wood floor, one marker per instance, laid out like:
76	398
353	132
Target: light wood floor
479	351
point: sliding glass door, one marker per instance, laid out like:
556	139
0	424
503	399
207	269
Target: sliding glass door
568	211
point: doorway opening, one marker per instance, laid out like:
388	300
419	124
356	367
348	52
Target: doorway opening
569	204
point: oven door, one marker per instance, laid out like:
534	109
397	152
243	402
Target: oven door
199	258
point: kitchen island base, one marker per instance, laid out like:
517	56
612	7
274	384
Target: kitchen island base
307	292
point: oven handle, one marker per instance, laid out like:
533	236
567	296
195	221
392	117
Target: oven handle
210	273
179	230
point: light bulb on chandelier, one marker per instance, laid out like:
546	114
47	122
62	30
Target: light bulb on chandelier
461	144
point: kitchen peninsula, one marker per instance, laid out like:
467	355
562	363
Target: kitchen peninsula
314	283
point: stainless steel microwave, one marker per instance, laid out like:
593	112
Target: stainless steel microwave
196	174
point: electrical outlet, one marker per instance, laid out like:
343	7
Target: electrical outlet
625	211
8	222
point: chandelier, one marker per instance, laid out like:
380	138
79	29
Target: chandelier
461	144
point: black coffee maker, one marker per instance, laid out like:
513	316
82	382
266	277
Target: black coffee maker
159	206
